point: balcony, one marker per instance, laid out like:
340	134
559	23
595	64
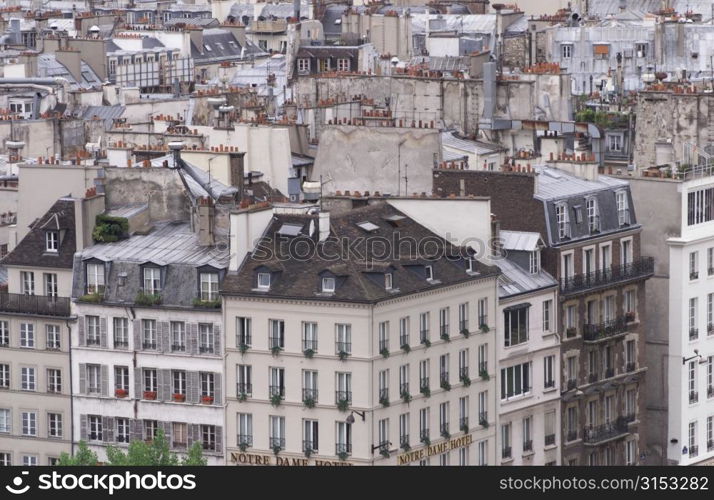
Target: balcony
630	367
343	449
595	434
40	305
243	389
596	332
506	452
270	26
640	268
178	348
549	384
693	397
527	446
149	346
343	396
204	349
309	396
276	391
309	345
309	446
483	419
244	440
121	344
277	443
550	439
710	445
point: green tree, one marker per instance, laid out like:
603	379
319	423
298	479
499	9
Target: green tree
155	452
83	456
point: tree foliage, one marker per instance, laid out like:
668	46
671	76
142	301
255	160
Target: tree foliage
152	453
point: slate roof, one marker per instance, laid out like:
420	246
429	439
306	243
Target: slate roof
520	240
31	250
554	184
106	113
360	275
515	280
49	66
474	147
221	49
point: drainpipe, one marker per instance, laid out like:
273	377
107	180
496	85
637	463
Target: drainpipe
71	398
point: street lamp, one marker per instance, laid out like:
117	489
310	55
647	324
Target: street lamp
351	418
702	361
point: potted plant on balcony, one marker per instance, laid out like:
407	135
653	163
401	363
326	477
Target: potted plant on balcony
309	353
243	348
445	434
242	396
465	380
342	355
483	422
384	352
426	440
342	455
464	427
484	328
384	401
465	332
406	348
207	400
343	404
405	446
275	399
484	375
309	402
384	451
426	343
630	316
445	337
426	392
571	331
121	393
406	397
275	350
147	299
243	446
179	398
445	385
150	395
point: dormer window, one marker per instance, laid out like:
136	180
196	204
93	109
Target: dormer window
593	215
264	281
209	286
470	264
561	218
535	261
328	285
95	278
152	280
429	271
388	281
52	241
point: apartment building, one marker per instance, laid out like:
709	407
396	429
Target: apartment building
528	354
35	321
592	247
147	346
359	358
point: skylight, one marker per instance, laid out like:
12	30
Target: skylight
290	229
368	226
207	47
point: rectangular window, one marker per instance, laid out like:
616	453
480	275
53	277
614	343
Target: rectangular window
383	387
121	333
710	261
444	323
527	433
29	460
547	312
516	326
424	430
243	332
343	64
178	336
5	420
178	378
623	211
245	429
424	375
383	337
5	459
483	452
693	325
506	441
208	437
404	431
149	333
404	332
28	378
383	434
150	383
343	338
4	376
549	372
4	333
310	435
424	327
53	336
309	386
208	386
464	318
54	425
27	335
277	382
566	51
483	313
92	335
699	206
549	428
343	438
152	280
483	360
303	65
151	427
515	380
444	370
121	381
463	364
95	279
50	284
27	282
179	435
444	419
344	387
309	336
483	408
561	217
209	286
54	380
244	380
693	448
693	265
206	338
29	423
276	433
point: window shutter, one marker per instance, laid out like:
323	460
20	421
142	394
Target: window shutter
165	385
166	426
216	339
218	389
137	383
108	429
103	332
83	427
137	335
82	378
105	380
136	429
80	331
193	389
219	439
192	329
164	341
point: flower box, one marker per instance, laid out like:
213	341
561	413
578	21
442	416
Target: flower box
207	400
121	393
179	398
151	395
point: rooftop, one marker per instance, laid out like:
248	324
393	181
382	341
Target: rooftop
555	184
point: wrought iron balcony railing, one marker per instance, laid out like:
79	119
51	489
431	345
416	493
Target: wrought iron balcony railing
638	268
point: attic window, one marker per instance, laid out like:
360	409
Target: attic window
328	285
429	271
535	261
388	281
233	44
263	281
207	47
470	267
52	241
394	219
368	226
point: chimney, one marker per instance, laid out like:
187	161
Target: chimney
196	35
324	225
296	9
496	246
237	171
16	36
72	60
14	149
206	216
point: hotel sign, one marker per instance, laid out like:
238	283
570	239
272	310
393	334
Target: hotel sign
258	459
435	449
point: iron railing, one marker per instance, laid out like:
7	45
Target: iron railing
638	268
43	305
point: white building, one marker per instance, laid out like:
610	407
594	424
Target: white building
528	354
340	362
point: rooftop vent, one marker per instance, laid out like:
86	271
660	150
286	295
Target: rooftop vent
368	226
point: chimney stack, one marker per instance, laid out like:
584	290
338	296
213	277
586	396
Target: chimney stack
324	225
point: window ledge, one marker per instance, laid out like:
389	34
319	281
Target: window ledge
506	460
550	447
528	454
515	399
550	389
